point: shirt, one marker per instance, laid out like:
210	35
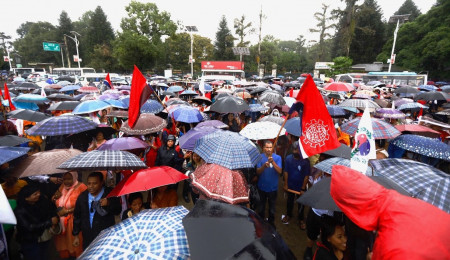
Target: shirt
268	180
90	200
297	170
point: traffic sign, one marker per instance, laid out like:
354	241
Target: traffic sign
51	46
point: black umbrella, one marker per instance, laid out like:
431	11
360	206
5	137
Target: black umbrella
217	230
60	97
64	105
221	95
342	151
168	93
29	85
12	140
29	115
406	90
230	104
48	91
258	90
433	95
319	195
66	78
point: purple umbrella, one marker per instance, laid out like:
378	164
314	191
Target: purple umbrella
389	113
123	143
402	101
109	96
187	141
213	123
124	87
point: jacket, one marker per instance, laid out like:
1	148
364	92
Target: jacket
172	157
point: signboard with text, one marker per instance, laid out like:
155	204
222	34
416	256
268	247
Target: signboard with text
222	65
51	46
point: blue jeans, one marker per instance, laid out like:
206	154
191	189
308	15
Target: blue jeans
271	197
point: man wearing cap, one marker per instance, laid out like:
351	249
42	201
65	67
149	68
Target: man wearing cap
170	155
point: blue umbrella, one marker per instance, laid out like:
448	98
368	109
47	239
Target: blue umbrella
186	114
351	109
336	111
414	105
327	165
187	141
115	103
62	125
228	149
208	88
430	147
151	234
23	105
31	98
427	87
90	106
69	88
10	153
292	126
175	89
189	92
50	81
125	100
152	107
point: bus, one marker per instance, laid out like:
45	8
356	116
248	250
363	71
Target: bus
73	72
405	78
21	71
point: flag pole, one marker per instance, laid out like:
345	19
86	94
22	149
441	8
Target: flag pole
279	132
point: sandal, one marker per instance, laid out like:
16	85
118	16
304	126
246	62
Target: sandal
285	220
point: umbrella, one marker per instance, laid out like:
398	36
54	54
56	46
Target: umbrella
174	89
227	149
10	153
381	129
444	112
116	103
60	97
28	115
336	111
319	196
406	90
90	106
229	104
152	107
262	130
258	90
201	99
217	230
147	179
430	147
274	119
104	160
106	96
12	140
427	87
6	213
342	151
432	121
64	83
415	128
22	105
243	94
382	102
220	183
189	92
425	182
105	129
123	143
401	101
257	108
44	163
271	96
433	95
124	87
145	124
151	234
187	141
413	105
213	123
339	86
118	113
327	165
88	89
366	93
62	125
64	105
79	97
389	113
361	96
292	126
31	98
29	85
186	114
359	103
351	109
289	101
69	88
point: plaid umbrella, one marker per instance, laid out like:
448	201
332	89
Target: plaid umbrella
187	141
43	163
433	95
10	153
12	140
186	114
229	104
62	125
103	160
413	105
123	143
327	165
227	149
389	113
430	147
146	124
359	103
220	183
262	130
274	119
152	107
336	111
423	182
29	115
64	105
31	98
273	97
88	89
90	106
381	129
151	234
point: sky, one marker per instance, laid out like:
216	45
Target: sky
285	19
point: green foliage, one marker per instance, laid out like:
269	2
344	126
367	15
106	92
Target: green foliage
242	29
345	28
409	7
224	42
322	21
341	65
102	58
131	48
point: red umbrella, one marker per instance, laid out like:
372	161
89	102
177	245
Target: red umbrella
415	128
221	183
88	89
147	179
339	86
403	223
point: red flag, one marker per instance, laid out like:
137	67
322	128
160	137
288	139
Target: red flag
108	79
318	133
291	92
140	92
8	97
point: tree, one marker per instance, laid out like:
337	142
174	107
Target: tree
131	48
322	26
65	27
243	29
341	65
103	58
409	7
224	42
3	64
345	28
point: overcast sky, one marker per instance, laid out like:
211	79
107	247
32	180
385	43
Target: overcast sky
285	19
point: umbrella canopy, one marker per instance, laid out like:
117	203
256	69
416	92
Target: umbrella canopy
220	183
123	143
90	106
274	119
31	98
201	100
189	92
62	125
382	103
22	105
106	96
389	113
29	115
187	141
60	97
339	86
174	89
151	234
186	114
413	105
381	129
424	182
289	101
273	97
292	126
262	130
433	95
88	89
401	101
258	90
415	128
145	124
327	165
64	105
217	230
243	94
12	140
213	123
430	147
6	213
444	112
118	113
176	101
69	88
152	107
229	104
103	160
359	103
29	85
44	163
227	149
342	151
147	179
10	153
406	90
115	103
336	111
427	87
257	108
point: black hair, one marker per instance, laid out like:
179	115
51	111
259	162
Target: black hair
267	142
99	175
26	192
134	196
327	229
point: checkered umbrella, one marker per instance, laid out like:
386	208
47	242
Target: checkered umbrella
186	114
151	234
381	129
430	147
336	111
412	105
146	124
273	97
152	107
262	130
327	165
62	125
10	153
421	180
227	149
104	160
359	103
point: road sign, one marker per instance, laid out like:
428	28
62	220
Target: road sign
51	46
5	58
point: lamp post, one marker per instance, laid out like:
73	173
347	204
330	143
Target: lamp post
396	18
191	29
77	42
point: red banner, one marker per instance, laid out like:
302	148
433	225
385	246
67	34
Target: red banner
222	65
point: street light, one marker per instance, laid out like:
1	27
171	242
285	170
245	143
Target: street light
191	29
77	42
396	18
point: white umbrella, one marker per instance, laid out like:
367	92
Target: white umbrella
262	130
6	213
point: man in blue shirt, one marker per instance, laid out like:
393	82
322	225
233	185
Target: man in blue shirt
268	170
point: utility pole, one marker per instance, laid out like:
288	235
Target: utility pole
400	19
67	51
77	42
192	29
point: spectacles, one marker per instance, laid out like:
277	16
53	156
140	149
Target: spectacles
91	209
